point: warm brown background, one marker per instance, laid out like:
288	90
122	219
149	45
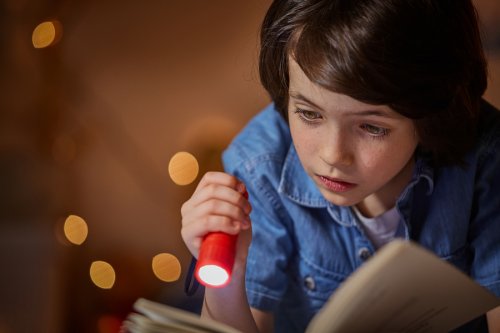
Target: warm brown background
88	127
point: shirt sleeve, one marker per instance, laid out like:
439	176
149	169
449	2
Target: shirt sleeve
269	252
485	224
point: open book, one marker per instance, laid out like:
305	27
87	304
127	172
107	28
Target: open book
402	288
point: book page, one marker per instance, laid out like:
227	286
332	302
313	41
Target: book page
403	288
137	323
172	319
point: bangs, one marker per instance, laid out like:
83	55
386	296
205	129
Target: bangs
331	51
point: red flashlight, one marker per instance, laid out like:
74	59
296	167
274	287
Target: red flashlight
216	258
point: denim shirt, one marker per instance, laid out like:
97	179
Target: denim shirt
304	247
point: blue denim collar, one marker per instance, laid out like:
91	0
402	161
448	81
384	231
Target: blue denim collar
297	186
423	170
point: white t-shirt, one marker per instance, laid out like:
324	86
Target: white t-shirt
380	229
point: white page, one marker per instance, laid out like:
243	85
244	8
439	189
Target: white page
403	288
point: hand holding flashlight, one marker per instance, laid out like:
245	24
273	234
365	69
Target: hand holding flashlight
216	258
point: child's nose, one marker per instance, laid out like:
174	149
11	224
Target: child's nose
337	152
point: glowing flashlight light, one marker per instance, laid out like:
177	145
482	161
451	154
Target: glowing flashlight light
216	258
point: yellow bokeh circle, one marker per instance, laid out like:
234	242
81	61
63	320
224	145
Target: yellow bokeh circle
46	34
102	274
75	229
183	168
166	267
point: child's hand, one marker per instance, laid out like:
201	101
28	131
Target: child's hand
217	204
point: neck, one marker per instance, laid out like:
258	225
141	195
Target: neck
385	198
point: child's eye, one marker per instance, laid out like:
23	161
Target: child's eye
375	130
308	116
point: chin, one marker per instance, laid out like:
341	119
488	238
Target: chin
340	199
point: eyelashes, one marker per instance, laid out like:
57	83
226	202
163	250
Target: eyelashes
375	131
313	118
308	117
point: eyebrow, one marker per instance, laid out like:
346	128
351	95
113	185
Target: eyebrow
372	112
303	98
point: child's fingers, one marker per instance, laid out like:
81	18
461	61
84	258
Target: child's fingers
223	201
220	178
212	223
193	233
222	193
215	207
218	204
217	192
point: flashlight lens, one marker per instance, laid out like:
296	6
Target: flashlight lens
213	275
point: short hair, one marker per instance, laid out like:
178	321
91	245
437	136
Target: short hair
422	58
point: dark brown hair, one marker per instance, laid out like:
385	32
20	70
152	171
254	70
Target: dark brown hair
423	58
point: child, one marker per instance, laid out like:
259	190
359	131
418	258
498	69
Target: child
377	130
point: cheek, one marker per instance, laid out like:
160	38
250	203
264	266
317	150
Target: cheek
306	143
385	159
302	146
373	159
302	140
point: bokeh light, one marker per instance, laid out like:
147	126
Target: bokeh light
166	267
102	274
75	229
46	34
183	168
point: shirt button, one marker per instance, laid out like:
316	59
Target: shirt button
309	283
364	253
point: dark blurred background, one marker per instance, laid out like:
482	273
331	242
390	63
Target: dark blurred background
93	105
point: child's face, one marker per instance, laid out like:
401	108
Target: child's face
356	153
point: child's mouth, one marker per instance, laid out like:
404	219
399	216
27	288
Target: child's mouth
335	185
